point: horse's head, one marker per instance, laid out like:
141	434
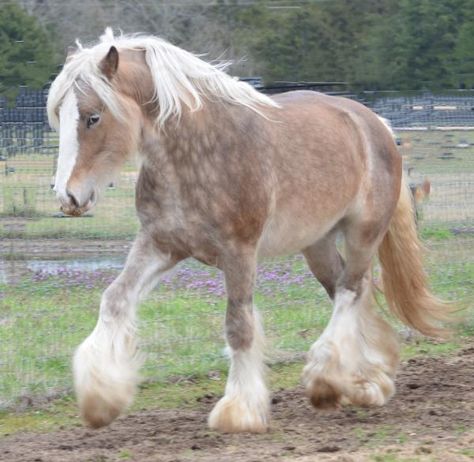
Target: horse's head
99	125
109	97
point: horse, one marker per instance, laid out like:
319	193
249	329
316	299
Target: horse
229	176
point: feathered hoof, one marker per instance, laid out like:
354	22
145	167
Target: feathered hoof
323	394
234	415
332	392
100	402
97	412
370	392
104	387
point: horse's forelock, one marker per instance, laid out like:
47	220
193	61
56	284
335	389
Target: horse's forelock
82	73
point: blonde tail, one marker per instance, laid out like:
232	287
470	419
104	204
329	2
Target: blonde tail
404	279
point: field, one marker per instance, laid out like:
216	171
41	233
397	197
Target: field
54	269
430	419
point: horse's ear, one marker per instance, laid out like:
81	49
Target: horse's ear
69	52
109	64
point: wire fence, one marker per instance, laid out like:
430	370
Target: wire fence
425	111
53	268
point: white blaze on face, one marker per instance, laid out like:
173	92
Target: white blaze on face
68	142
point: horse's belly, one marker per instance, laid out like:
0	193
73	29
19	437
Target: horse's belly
288	236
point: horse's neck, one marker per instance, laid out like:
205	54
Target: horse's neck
193	135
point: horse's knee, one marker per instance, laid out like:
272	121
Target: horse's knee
115	302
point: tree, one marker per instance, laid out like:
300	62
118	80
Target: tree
293	43
27	56
389	44
464	69
414	48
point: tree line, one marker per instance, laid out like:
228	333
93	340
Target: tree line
370	44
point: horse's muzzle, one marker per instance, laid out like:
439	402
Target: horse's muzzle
71	206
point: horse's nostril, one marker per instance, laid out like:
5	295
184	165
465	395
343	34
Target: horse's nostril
73	200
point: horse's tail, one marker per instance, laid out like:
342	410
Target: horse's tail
404	279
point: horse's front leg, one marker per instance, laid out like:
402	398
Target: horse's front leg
245	405
106	364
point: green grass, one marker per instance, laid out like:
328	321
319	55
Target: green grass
28	198
164	394
125	454
467	452
174	394
393	458
437	233
181	330
113	218
28	205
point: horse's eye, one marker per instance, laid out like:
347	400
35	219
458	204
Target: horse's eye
92	120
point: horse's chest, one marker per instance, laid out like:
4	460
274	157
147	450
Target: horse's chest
165	214
177	224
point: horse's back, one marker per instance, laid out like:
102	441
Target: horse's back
331	155
339	115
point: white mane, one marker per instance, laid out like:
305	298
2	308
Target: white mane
179	78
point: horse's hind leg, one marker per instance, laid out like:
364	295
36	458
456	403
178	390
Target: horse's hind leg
355	358
245	405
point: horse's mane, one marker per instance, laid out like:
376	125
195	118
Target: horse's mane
180	78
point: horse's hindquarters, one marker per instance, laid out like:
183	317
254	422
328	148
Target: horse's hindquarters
319	162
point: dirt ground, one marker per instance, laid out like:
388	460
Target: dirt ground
64	248
431	417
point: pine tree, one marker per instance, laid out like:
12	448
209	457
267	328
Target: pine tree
26	52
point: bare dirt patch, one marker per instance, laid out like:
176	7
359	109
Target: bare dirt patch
63	248
430	418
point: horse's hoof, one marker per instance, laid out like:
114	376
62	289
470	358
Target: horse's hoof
327	393
104	386
234	415
371	392
323	394
98	413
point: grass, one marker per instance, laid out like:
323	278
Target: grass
181	323
30	204
125	454
437	233
426	151
174	394
113	218
393	458
176	322
165	395
45	317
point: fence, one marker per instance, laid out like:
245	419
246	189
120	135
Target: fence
54	268
421	110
